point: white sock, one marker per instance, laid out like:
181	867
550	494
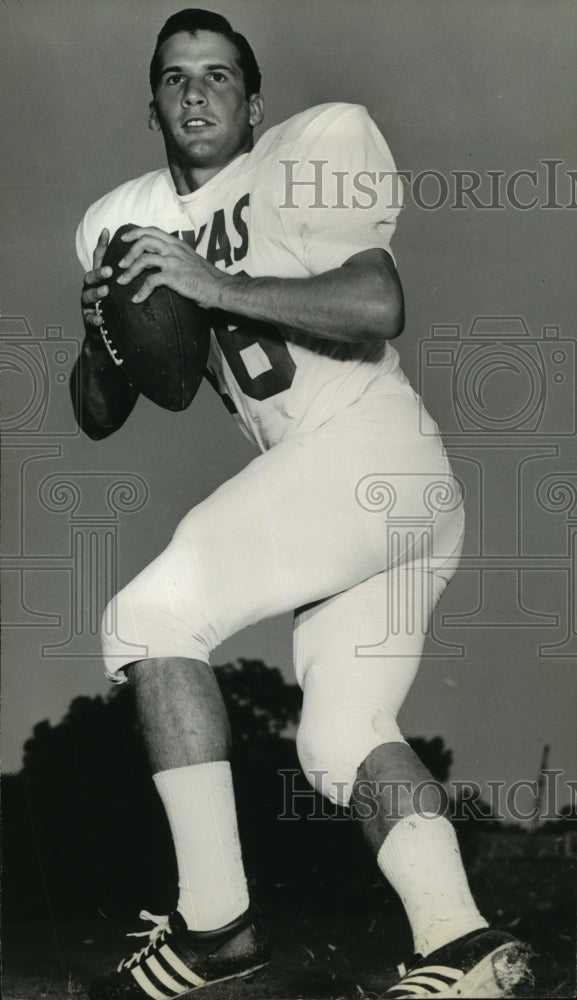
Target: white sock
199	803
421	859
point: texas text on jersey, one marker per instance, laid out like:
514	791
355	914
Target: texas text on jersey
312	192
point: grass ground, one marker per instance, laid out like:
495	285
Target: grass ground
318	956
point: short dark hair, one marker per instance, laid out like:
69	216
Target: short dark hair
194	19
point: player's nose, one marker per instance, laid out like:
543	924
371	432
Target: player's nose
194	94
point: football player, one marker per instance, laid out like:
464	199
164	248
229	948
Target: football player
349	515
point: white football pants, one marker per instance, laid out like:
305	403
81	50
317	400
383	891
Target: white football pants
358	525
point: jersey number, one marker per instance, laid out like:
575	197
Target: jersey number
257	355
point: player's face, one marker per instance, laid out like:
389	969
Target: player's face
200	104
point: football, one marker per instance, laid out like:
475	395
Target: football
161	343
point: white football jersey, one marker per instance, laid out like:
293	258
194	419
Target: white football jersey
313	191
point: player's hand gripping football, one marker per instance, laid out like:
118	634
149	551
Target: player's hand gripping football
173	264
94	287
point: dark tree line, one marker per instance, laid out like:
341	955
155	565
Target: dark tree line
84	830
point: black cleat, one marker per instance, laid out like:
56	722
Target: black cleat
484	963
177	961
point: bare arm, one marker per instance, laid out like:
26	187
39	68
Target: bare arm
361	300
102	397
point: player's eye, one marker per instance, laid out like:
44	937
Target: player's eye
217	76
174	78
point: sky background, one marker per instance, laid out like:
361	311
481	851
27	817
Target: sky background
468	86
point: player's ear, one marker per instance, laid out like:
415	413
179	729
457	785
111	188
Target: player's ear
256	109
153	122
